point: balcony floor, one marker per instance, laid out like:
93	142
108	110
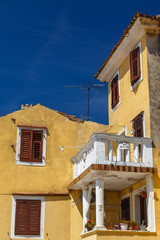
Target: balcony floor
116	178
113	234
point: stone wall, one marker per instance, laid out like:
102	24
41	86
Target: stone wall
153	52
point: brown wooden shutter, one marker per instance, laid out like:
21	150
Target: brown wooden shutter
34	210
27	221
26	145
138	125
21	217
115	91
37	146
125	208
135	65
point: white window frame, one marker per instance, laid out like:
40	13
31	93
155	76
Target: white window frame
18	146
123	197
17	197
140	79
134	193
114	108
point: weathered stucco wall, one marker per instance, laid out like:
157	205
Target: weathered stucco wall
58	172
153	56
52	178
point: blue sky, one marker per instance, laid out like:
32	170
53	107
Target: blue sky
46	45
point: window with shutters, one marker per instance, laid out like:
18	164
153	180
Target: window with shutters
115	92
135	66
139	129
27	217
31	145
125	208
138	125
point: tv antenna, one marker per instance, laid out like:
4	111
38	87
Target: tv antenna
89	87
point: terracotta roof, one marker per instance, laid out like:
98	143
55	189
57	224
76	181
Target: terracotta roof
72	118
137	15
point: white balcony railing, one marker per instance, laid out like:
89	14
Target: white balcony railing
108	149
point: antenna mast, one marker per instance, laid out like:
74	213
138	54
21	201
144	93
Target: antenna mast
89	87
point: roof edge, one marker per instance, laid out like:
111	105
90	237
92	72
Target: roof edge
126	31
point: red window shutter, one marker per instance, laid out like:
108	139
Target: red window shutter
138	125
26	145
27	221
34	212
37	146
21	217
115	91
135	65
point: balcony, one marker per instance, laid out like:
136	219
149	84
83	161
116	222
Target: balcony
116	150
113	164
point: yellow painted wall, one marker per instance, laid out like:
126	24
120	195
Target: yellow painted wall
53	178
58	172
76	226
5	216
57	218
131	102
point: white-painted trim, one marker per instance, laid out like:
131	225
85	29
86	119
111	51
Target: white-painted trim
140	79
134	193
113	109
123	131
123	197
41	236
18	146
144	130
135	34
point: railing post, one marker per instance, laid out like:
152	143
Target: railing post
110	151
136	153
75	169
99	146
128	157
118	152
147	155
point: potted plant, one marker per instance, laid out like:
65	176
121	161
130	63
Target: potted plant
116	226
134	225
124	224
90	224
108	223
143	194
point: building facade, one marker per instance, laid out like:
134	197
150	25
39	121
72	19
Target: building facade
123	170
57	171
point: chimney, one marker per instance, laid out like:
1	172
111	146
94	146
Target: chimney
26	106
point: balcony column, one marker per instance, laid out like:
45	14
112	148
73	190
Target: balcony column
150	203
86	199
85	206
100	203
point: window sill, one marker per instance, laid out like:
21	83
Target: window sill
136	84
115	107
40	164
26	237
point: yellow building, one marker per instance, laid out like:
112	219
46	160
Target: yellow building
57	171
122	170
